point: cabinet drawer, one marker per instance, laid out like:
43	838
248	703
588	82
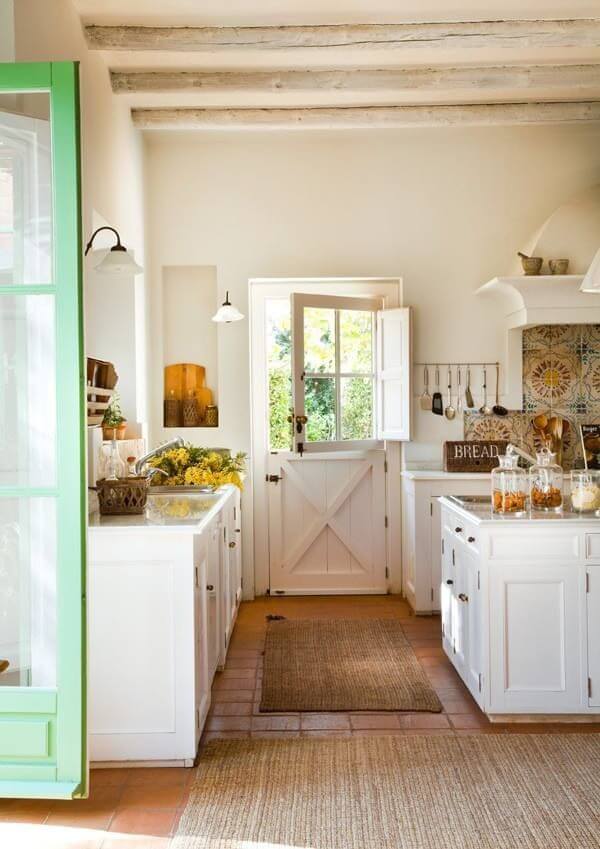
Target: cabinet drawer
592	546
520	545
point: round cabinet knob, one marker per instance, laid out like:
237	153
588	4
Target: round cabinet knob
449	582
470	539
210	587
458	530
231	545
463	597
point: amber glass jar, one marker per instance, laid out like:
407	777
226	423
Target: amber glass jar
509	486
546	483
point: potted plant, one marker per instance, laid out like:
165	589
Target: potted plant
114	423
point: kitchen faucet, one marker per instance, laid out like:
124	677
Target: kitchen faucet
177	442
512	449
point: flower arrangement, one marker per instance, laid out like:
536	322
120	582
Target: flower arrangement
194	466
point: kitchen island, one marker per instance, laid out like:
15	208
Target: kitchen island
163	593
520	601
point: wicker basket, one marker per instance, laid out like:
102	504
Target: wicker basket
123	497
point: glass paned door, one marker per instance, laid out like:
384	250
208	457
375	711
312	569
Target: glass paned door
42	472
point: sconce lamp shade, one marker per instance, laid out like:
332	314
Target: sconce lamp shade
118	260
227	312
591	281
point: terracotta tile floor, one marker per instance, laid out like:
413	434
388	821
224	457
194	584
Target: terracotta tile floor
139	808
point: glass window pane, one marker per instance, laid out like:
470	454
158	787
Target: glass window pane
319	407
279	366
356	341
28	591
357	407
28	391
319	340
25	190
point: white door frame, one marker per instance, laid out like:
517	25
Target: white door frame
261	289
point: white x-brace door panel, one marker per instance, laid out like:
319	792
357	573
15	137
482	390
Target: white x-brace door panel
327	523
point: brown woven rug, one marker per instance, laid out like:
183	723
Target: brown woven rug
342	664
488	791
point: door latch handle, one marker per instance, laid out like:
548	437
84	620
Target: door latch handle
300	422
273	478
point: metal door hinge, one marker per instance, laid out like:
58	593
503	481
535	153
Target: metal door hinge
432	593
430	509
480	677
387	572
478	580
589	688
386	521
587	582
443	546
197	718
453	558
196	576
385	467
443	630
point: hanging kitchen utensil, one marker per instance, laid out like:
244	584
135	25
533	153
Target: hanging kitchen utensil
426	397
459	400
437	403
498	409
468	394
450	411
485	410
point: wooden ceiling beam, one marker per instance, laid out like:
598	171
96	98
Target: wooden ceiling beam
373	117
407	36
580	80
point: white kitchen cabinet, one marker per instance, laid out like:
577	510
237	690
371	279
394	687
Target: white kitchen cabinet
158	616
520	616
421	531
593	632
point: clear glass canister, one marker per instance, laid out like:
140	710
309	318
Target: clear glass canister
509	486
546	483
585	490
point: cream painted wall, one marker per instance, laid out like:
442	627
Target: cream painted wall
445	209
112	182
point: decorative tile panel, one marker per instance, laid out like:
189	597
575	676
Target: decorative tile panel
561	377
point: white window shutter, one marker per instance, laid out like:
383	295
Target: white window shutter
394	374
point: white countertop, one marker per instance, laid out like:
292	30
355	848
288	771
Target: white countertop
482	515
167	512
439	475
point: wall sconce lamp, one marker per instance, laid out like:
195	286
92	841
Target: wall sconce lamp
118	260
591	281
227	313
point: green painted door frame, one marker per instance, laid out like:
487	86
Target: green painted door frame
43	730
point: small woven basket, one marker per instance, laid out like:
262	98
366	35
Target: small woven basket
123	497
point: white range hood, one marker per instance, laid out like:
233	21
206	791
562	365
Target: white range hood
544	299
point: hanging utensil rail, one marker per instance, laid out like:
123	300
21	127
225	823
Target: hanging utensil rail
454	365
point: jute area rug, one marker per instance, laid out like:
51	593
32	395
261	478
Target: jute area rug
488	791
342	664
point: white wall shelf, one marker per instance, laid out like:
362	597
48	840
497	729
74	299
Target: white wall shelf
544	299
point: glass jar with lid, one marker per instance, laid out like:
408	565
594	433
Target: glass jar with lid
509	486
546	483
585	490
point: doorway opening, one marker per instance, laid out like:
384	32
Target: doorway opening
330	366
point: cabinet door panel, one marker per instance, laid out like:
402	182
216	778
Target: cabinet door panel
536	646
593	626
475	648
460	610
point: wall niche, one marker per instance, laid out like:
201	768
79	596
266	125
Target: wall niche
189	300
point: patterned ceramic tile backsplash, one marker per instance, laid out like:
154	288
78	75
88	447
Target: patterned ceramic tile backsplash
561	376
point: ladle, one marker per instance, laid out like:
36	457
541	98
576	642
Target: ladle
485	410
498	409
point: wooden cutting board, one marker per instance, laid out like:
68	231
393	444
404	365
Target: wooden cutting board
182	379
